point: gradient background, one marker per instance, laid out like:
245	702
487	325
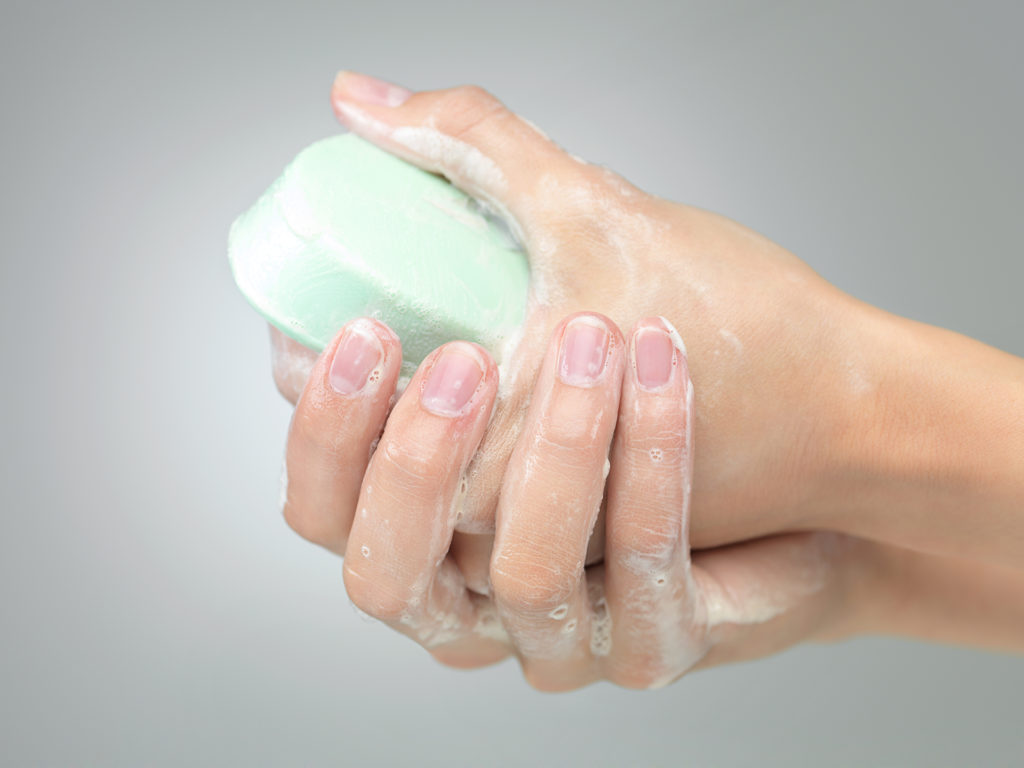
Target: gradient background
156	609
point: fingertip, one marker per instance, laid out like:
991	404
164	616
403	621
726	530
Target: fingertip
587	348
291	364
355	87
455	379
657	355
338	85
362	356
677	339
490	367
387	337
336	422
593	318
660	322
366	326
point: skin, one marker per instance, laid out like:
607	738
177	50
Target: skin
652	610
811	411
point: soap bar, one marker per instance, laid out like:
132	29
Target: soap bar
349	230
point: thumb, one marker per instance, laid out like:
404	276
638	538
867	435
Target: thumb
466	135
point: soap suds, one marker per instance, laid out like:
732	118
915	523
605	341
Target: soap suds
732	339
802	565
600	620
617	233
291	364
466	165
283	495
460	210
560	612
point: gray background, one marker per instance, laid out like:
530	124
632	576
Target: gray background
157	611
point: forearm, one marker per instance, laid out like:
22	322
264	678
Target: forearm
934	446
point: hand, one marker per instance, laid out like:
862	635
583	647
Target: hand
814	410
644	617
764	420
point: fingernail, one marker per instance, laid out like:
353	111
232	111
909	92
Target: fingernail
584	351
654	352
352	86
451	381
357	354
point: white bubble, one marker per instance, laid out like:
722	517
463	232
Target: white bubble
560	612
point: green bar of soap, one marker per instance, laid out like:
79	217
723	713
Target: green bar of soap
349	230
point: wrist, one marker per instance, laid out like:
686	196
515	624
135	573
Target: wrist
866	592
930	444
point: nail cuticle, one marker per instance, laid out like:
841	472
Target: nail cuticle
455	375
371	90
654	359
583	353
357	360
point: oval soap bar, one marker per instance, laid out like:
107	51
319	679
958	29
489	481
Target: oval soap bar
349	230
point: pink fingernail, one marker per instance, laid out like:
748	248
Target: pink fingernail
452	380
369	90
654	352
584	351
357	354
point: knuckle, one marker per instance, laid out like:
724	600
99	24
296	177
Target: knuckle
531	586
291	364
297	520
312	431
466	108
588	204
447	659
648	545
414	467
663	447
322	431
656	439
313	528
376	597
641	676
470	658
660	419
540	678
567	441
286	385
589	220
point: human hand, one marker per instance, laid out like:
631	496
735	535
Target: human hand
647	614
814	410
765	331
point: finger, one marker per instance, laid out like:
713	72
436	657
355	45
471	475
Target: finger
396	567
549	504
656	632
337	419
472	139
291	364
472	554
765	595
